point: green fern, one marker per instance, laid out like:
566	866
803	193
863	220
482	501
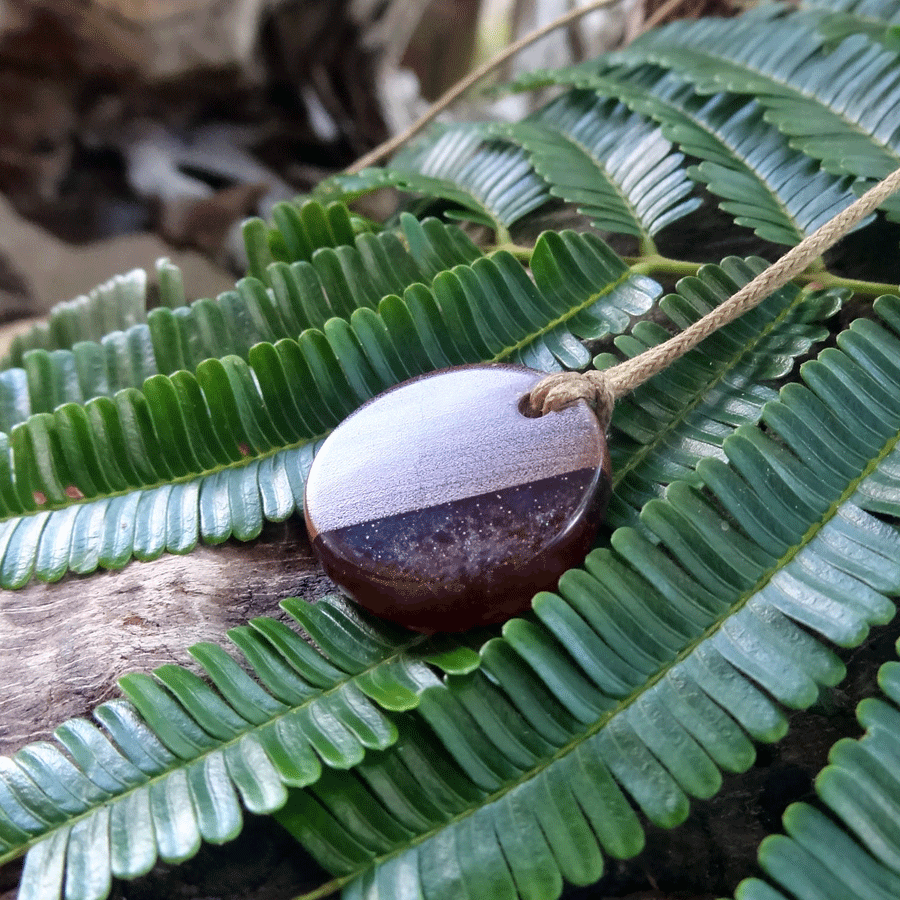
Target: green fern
181	759
617	167
807	94
642	677
488	181
214	454
511	763
778	191
856	854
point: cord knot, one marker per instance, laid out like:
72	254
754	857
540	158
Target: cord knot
561	389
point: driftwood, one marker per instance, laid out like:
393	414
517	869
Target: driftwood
63	645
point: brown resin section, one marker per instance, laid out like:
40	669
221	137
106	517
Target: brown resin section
441	507
470	562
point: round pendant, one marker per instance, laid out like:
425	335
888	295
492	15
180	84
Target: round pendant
438	505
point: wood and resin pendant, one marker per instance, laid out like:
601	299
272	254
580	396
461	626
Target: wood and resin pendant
440	506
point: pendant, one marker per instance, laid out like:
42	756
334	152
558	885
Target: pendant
440	506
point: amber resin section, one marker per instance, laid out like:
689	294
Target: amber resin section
439	506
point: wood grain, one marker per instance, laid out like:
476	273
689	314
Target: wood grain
445	436
63	645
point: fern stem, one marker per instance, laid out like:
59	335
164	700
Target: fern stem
327	889
647	247
654	264
519	251
866	288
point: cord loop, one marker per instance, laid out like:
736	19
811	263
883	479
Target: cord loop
601	389
561	389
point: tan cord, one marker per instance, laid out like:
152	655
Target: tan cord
602	389
461	86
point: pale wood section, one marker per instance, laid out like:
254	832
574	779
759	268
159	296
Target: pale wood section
63	645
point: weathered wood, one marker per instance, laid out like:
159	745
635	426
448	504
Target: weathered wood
63	645
154	38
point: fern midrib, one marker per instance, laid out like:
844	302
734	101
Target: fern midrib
220	748
686	410
561	320
631	698
781	89
182	479
645	237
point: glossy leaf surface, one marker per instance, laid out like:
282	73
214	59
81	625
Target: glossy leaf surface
183	757
655	667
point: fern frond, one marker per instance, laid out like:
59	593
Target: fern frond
656	666
490	181
809	95
300	229
177	763
765	184
214	454
614	165
852	848
874	18
291	299
685	413
113	306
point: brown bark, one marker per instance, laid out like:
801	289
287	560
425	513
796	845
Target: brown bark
63	645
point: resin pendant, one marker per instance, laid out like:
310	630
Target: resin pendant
438	505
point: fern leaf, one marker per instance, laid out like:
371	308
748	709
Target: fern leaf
180	761
490	181
765	184
809	95
655	667
293	298
214	454
852	849
685	413
300	229
113	306
615	165
877	19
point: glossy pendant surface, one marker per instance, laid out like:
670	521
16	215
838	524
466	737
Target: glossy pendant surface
438	505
